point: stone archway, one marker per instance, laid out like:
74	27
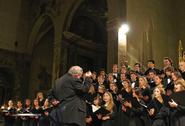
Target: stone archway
35	35
114	18
42	38
86	43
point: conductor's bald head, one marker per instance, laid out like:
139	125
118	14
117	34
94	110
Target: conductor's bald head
76	71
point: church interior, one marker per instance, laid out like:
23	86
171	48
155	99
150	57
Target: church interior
41	39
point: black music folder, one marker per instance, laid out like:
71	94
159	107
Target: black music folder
103	111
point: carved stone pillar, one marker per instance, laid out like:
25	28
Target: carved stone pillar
112	45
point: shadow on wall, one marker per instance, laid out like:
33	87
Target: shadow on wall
6	84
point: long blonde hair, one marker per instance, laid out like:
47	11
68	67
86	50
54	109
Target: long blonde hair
110	104
161	89
145	82
180	82
129	88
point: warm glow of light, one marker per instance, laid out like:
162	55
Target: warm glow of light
122	34
122	39
124	29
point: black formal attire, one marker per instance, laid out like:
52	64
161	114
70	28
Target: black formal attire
19	120
34	121
127	96
120	85
41	102
89	97
26	120
116	77
178	114
8	118
124	115
72	108
152	84
161	112
91	113
95	84
44	119
117	80
135	116
135	83
112	120
138	113
54	118
115	98
168	84
147	93
167	81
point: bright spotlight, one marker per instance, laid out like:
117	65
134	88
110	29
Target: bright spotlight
122	34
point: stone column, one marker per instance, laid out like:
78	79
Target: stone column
112	45
116	16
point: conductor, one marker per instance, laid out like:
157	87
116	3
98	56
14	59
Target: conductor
68	92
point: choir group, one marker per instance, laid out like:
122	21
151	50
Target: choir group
129	97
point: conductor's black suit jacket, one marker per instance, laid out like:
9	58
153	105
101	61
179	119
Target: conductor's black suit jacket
72	108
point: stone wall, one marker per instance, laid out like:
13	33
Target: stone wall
155	29
178	8
12	25
152	34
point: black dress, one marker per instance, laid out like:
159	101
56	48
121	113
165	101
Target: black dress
124	113
92	114
19	120
138	113
35	120
178	114
41	102
112	120
115	98
161	112
44	119
8	118
134	116
26	120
